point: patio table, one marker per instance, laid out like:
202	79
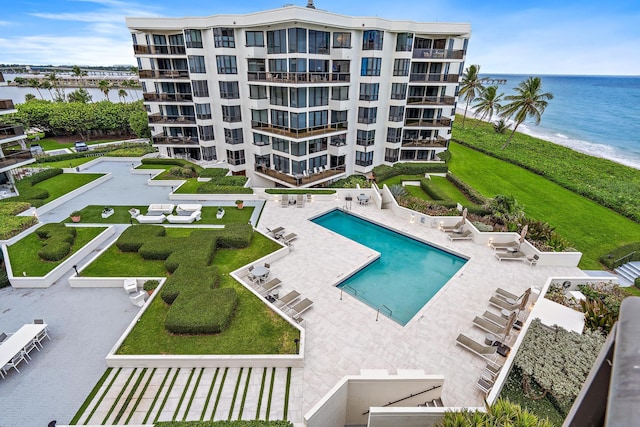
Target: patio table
16	342
261	272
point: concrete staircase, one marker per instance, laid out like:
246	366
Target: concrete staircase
628	272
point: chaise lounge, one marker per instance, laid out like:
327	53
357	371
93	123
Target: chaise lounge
504	246
488	326
511	256
475	347
301	307
270	286
289	238
503	304
465	235
449	228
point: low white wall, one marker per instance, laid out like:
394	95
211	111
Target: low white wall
20	281
75	193
214	197
331	411
409	417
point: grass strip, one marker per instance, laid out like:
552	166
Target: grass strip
264	377
244	395
144	390
235	394
206	402
184	393
127	400
89	398
215	406
117	399
286	394
193	393
103	395
273	379
155	398
166	396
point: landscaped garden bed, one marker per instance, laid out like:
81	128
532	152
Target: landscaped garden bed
93	215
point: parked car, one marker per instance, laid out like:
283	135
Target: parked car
36	150
81	146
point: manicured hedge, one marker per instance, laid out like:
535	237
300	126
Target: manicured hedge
199	249
13	208
121	150
213	172
610	259
209	313
239	423
156	161
236	236
190	277
384	172
132	239
432	190
44	175
57	243
161	248
215	188
469	192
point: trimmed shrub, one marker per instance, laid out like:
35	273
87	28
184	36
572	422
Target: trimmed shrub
612	259
150	285
160	248
239	423
432	190
214	188
12	225
208	313
236	236
637	282
58	241
54	250
4	279
13	208
132	239
156	161
29	194
482	227
213	172
237	180
469	192
384	172
199	249
187	278
44	175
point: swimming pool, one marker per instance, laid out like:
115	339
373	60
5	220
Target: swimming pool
404	278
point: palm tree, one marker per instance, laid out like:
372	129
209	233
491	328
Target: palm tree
35	83
470	87
104	86
529	101
122	94
488	103
79	73
28	97
80	95
54	81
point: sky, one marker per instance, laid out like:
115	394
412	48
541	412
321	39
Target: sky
579	37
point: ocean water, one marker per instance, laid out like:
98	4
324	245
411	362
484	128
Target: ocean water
596	115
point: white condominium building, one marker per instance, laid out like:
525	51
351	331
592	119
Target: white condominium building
296	96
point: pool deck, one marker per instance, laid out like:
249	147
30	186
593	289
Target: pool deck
343	336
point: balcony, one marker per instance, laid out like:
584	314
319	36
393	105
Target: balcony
141	49
437	54
295	78
16	158
163	74
437	142
167	97
172	120
11	132
299	133
443	122
175	140
298	180
431	77
431	100
6	104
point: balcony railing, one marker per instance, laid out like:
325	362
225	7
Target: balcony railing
431	100
443	122
163	74
177	97
11	131
299	133
6	104
298	77
300	179
177	120
173	140
430	142
438	54
434	77
15	158
141	49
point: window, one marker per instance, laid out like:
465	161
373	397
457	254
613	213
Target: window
318	65
319	41
298	97
229	90
401	67
370	67
340	93
260	139
372	40
366	137
364	159
404	42
338	116
226	64
281	163
317	145
235	157
318	96
367	115
422	43
298	65
196	64
257	92
339	140
278	65
277	41
298	120
255	38
206	133
369	91
231	113
193	38
256	65
317	162
391	154
159	40
203	111
298	149
200	88
279	96
135	39
398	90
394	135
262	161
297	40
280	144
177	40
318	118
297	167
340	67
233	136
259	117
342	40
280	118
396	113
223	37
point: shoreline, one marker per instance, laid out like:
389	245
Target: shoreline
593	149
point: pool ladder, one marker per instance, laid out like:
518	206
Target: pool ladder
388	309
355	291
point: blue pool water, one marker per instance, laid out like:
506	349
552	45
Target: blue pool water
407	274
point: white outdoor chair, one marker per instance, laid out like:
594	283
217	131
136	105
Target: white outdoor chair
41	336
15	361
29	348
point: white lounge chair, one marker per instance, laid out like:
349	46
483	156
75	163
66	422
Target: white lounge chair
130	285
151	219
288	298
485	385
503	304
270	286
289	238
511	256
504	246
300	200
300	307
465	235
447	228
475	347
506	294
489	326
284	202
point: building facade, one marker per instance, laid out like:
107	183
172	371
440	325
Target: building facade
297	96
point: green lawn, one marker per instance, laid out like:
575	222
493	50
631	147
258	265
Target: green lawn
443	184
93	215
62	184
255	328
51	144
23	255
71	163
589	227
